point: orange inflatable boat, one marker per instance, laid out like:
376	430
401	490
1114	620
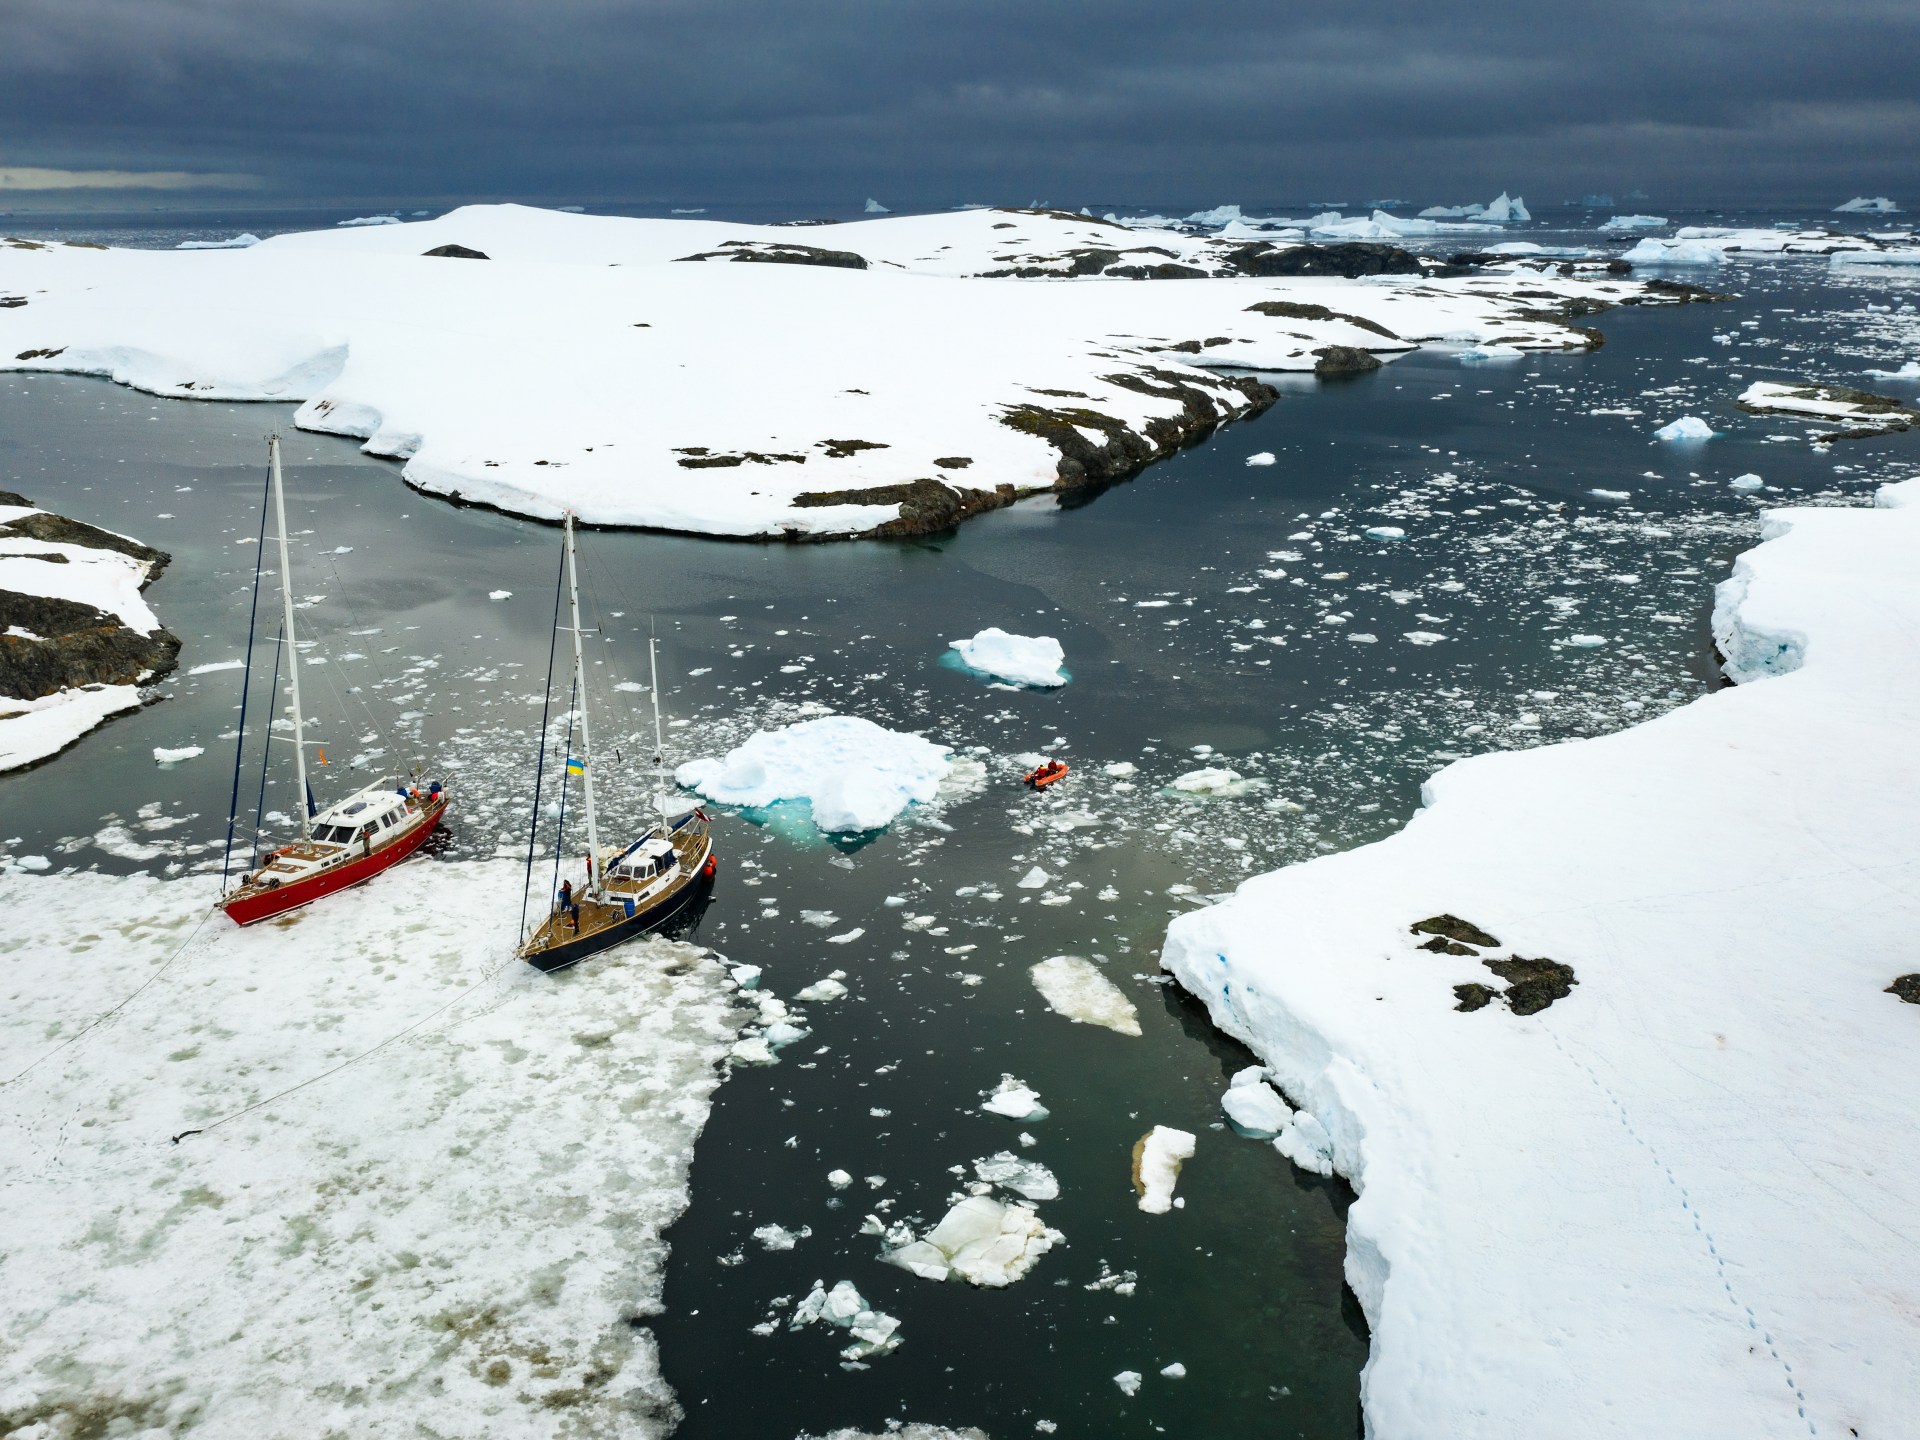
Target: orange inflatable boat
1049	772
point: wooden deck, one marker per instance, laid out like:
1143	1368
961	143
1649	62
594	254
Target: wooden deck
689	846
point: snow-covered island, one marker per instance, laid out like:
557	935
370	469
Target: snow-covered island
1615	1039
77	639
879	377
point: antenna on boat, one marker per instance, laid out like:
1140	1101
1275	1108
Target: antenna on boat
586	742
286	639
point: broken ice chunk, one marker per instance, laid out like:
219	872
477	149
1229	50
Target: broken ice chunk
1024	1177
829	988
982	1241
1687	427
1175	1371
1157	1158
1256	1110
1034	879
1076	988
778	1237
1129	1382
1014	1100
839	1179
1306	1143
874	1333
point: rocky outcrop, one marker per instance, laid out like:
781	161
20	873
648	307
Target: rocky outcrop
1296	310
926	506
456	252
1343	360
1350	259
782	253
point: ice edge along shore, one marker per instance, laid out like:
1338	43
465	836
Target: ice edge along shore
1678	1200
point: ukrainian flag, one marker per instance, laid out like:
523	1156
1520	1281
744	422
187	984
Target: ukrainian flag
576	767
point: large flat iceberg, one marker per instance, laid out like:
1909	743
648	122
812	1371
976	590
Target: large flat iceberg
856	775
1033	660
1636	1152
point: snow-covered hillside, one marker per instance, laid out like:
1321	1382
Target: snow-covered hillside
1633	1121
844	380
457	1234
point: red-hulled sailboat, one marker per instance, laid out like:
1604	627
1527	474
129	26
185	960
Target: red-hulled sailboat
352	840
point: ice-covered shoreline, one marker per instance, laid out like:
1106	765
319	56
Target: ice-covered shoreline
77	638
460	1232
1677	1199
878	377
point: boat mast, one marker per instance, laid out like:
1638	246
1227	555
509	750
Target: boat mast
292	650
659	745
586	742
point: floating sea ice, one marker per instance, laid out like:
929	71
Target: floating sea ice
1175	1371
1306	1143
829	988
1265	457
1013	1099
1129	1382
1386	532
982	1241
1673	252
1867	205
1157	1158
1687	427
1634	222
848	938
1586	642
1422	637
839	1179
1034	879
778	1237
1028	1178
173	757
500	594
30	862
238	242
1120	769
1612	494
856	775
874	207
1255	1109
1076	988
1215	780
1020	659
873	1332
1746	482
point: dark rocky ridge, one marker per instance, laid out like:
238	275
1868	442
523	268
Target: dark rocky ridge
781	253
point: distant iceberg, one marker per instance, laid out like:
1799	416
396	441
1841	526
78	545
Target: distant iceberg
1505	209
1862	205
856	775
874	207
238	242
1634	222
1674	252
370	220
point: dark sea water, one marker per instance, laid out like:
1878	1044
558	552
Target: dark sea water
1213	614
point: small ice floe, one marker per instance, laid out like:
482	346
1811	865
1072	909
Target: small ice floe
1015	1100
856	775
874	207
1687	427
1121	769
828	988
1034	879
1175	1371
500	594
1422	637
839	1179
1612	494
174	757
1908	371
1746	482
1031	660
369	220
35	863
1486	351
1157	1157
1633	222
1129	1382
778	1237
981	1240
1674	252
1027	1178
1586	642
745	976
1264	457
216	665
848	938
1386	532
1214	780
1254	1107
1075	987
873	1333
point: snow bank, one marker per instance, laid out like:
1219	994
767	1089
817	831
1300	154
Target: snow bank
1034	660
1692	1163
1633	222
855	775
238	242
471	1214
1075	987
1673	252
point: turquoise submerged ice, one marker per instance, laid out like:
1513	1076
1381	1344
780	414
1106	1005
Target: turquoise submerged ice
855	774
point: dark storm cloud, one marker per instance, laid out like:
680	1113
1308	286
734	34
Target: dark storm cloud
925	104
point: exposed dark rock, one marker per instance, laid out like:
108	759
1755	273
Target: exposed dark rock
1674	292
841	449
1533	985
1294	310
457	252
782	253
1440	945
7	497
1344	360
12	302
953	462
1351	259
59	530
78	645
1454	928
1056	215
1907	987
926	506
698	457
40	354
1472	997
1886	413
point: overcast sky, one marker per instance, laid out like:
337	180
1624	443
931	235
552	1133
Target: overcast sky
926	105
